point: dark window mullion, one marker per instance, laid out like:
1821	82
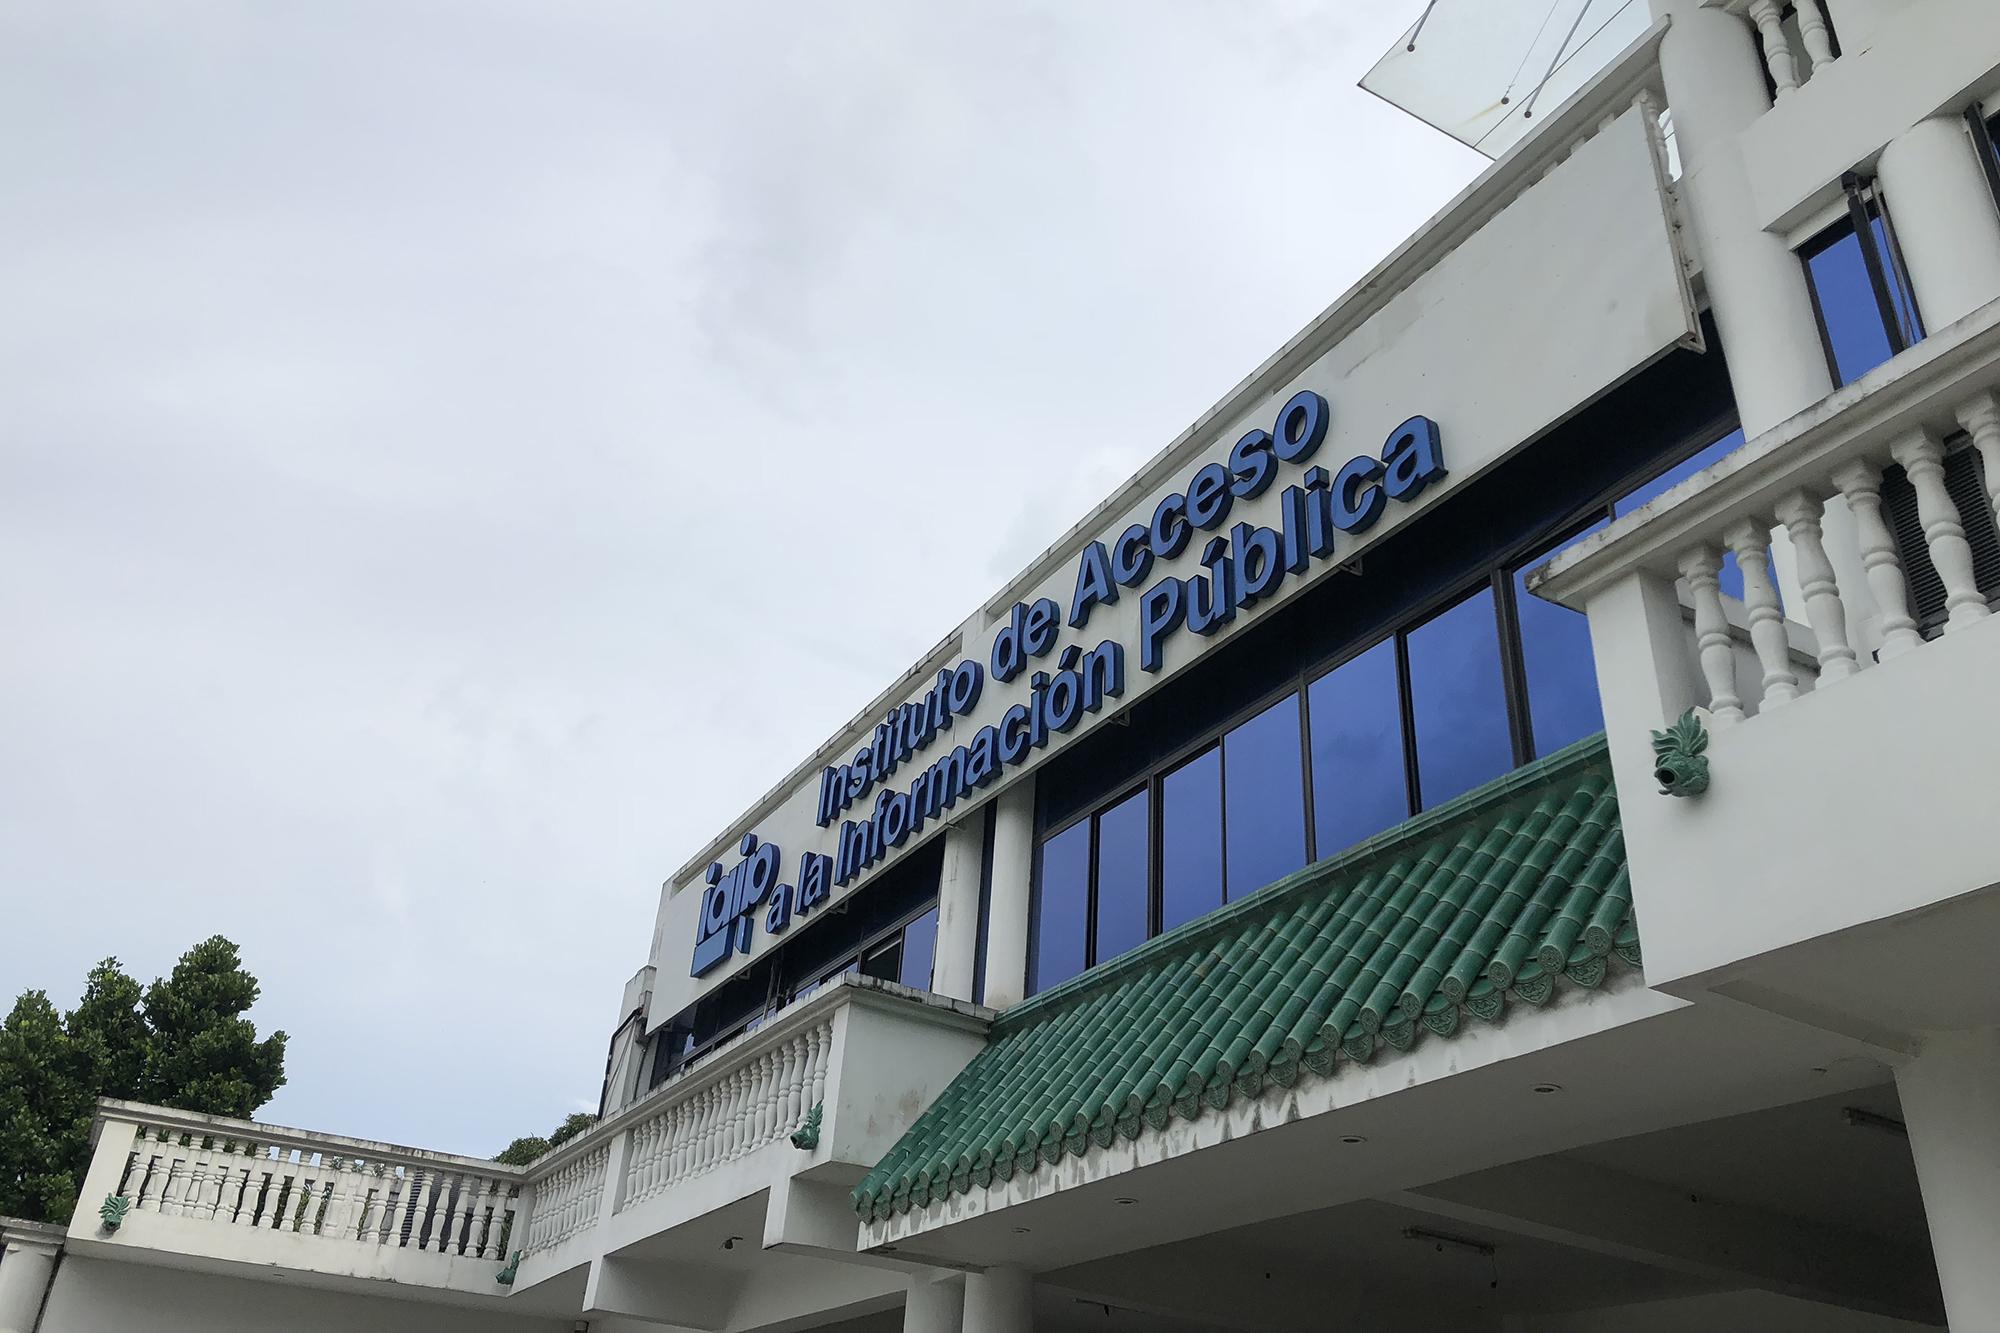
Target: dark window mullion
1860	215
1513	667
1412	788
1982	142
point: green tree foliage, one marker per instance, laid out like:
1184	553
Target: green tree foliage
204	1054
45	1111
182	1042
525	1150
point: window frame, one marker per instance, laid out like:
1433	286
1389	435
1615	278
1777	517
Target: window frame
1495	574
1982	127
1865	206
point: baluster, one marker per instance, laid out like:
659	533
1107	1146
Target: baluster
303	1210
1981	419
681	1139
792	1077
449	1205
250	1161
739	1112
410	1208
822	1038
1861	483
1824	610
753	1106
174	1162
1922	457
276	1199
1767	14
367	1202
344	1178
1813	33
496	1218
699	1149
636	1157
765	1085
151	1170
195	1201
1750	541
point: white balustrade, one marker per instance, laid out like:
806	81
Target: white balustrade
568	1199
1828	611
234	1173
723	1118
1775	43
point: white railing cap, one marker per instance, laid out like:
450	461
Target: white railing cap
847	989
20	1231
195	1122
1919	388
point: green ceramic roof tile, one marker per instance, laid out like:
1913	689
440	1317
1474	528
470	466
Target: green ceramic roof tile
1494	897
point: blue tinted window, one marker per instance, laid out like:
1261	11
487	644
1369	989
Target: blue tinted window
1850	318
1457	700
1122	896
1062	896
1356	717
1191	840
1562	675
1264	799
919	950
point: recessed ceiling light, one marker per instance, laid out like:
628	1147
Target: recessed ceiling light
1546	1088
1020	1231
1353	1138
1124	1202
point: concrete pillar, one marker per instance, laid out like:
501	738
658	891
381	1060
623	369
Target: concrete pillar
1951	1103
1007	919
1715	86
999	1300
935	1306
25	1267
1944	216
958	908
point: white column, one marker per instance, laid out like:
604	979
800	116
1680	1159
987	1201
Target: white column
1951	1103
958	907
24	1279
999	1300
1715	85
935	1306
1944	217
1007	920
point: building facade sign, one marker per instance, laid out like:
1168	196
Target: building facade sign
1422	378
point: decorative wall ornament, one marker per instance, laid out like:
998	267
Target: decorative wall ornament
112	1214
1680	762
806	1136
505	1277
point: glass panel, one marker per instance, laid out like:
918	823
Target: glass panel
1264	799
1458	701
1121	876
1848	313
1062	896
919	950
1563	704
884	962
1357	750
1191	840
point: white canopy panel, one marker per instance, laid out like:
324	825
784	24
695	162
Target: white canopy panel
1483	70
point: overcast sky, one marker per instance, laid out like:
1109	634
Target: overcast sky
457	455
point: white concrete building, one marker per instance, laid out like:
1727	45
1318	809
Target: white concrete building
1486	831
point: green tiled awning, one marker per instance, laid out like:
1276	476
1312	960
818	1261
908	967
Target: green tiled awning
1496	896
